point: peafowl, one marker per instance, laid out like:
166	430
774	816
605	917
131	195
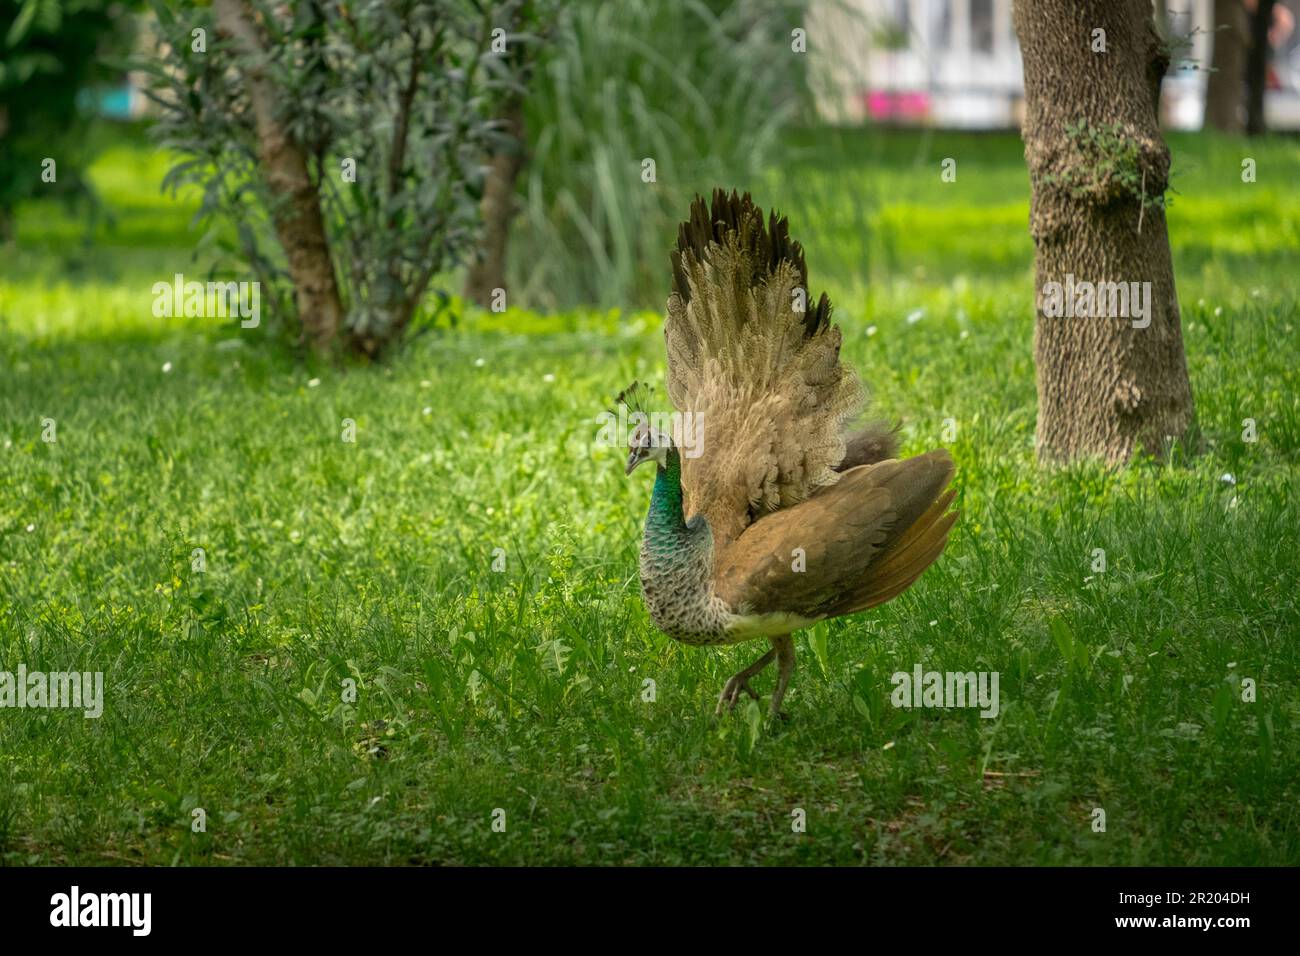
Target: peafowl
792	518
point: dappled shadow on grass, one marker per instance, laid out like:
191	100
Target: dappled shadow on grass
81	265
133	226
127	364
1267	267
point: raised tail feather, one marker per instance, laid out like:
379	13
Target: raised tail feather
751	354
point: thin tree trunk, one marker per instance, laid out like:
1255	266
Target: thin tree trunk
296	202
488	270
1105	387
1225	91
1257	66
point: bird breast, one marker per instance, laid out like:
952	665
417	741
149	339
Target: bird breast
676	582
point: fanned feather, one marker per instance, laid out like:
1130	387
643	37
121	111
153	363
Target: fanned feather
765	375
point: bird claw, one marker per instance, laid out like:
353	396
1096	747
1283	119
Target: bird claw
730	695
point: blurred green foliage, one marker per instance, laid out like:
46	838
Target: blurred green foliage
51	50
704	91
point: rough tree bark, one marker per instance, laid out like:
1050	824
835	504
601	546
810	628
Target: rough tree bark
1105	388
1225	91
296	210
488	270
1261	18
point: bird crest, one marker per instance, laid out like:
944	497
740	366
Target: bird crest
644	427
634	398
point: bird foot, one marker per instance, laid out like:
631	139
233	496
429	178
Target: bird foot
731	692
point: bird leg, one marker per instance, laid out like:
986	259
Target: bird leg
731	691
783	647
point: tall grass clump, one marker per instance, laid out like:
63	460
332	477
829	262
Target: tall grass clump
705	90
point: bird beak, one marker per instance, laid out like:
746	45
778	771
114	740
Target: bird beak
634	458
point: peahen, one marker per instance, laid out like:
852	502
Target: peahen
793	519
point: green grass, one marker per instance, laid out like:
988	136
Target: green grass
522	690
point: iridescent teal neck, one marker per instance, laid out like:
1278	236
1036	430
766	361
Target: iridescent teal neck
666	502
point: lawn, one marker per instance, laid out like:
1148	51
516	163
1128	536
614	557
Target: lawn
519	696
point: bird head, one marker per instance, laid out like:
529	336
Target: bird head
646	444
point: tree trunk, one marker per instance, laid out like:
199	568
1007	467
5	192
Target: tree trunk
1257	66
1097	162
296	203
488	270
1225	92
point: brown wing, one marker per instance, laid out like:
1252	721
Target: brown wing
865	540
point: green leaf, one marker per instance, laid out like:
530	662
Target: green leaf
1222	707
1064	639
18	29
753	721
819	644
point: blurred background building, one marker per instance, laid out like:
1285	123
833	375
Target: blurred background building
956	63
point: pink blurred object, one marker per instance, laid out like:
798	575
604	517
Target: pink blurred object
891	105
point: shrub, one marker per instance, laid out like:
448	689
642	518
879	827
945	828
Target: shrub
379	116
